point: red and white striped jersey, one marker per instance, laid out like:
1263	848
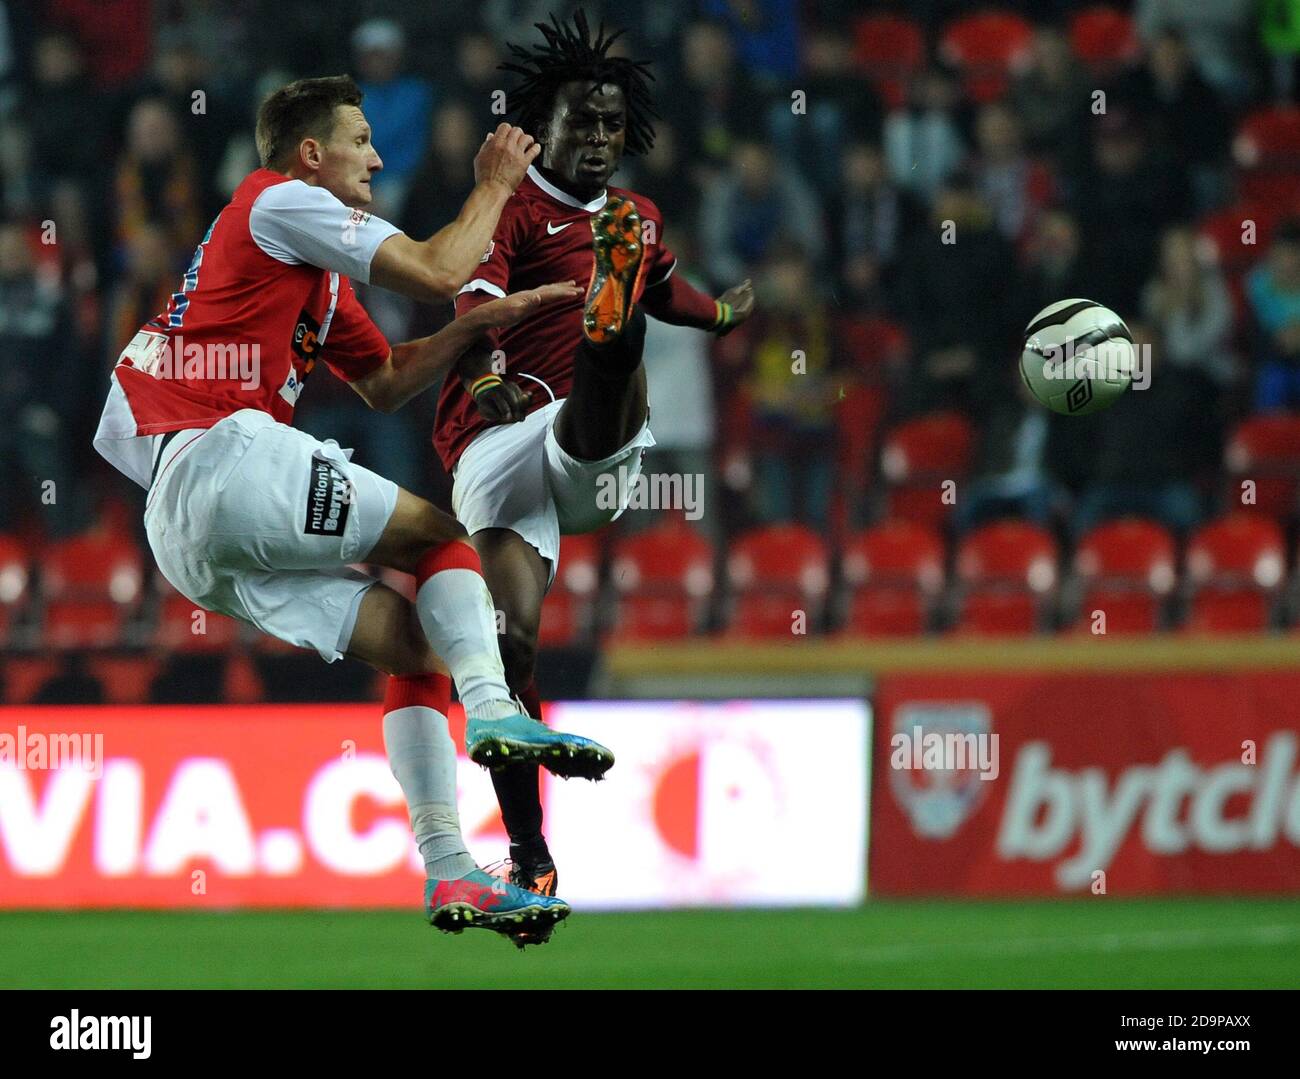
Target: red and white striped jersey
266	295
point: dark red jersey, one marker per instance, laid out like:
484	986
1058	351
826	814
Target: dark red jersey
544	235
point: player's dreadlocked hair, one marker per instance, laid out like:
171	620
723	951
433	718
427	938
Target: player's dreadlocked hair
570	54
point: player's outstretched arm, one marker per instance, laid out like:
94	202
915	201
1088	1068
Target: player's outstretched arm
413	366
434	270
680	303
734	307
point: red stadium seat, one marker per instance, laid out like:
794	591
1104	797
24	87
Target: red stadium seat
183	627
987	47
1234	569
90	586
1267	152
1265	450
890	49
1126	569
24	676
1006	574
14	581
1223	235
663	578
568	610
874	345
126	678
894	572
918	457
775	572
1102	36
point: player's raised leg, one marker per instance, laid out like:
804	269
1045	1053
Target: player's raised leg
457	616
607	406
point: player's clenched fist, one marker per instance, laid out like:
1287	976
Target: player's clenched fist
505	156
502	401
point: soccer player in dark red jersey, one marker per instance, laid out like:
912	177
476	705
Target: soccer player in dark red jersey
547	410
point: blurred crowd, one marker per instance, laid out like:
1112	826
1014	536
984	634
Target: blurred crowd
900	231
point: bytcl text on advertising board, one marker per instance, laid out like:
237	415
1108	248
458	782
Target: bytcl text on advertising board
295	806
1050	784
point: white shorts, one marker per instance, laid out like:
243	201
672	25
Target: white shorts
517	476
260	521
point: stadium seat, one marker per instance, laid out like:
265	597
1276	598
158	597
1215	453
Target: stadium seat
918	457
986	47
24	675
893	573
774	572
662	579
1266	150
179	627
1126	569
89	586
14	580
1006	578
1222	235
125	678
889	49
568	612
1234	569
875	346
1103	36
1264	450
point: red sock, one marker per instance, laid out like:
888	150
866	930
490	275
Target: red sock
454	554
429	690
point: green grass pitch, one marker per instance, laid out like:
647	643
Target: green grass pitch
1078	943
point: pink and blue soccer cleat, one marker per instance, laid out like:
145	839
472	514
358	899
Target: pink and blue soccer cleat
482	901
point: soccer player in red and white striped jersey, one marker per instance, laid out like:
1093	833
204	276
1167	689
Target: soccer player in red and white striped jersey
252	518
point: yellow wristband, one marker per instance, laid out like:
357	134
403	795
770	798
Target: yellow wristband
484	382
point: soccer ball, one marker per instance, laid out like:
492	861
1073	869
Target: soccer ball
1078	357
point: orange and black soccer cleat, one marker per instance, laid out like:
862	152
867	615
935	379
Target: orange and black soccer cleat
541	880
617	253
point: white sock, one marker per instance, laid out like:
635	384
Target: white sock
423	759
458	618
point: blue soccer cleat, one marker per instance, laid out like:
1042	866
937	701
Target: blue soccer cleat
520	739
482	901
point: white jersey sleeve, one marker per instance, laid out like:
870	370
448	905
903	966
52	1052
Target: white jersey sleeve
297	223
